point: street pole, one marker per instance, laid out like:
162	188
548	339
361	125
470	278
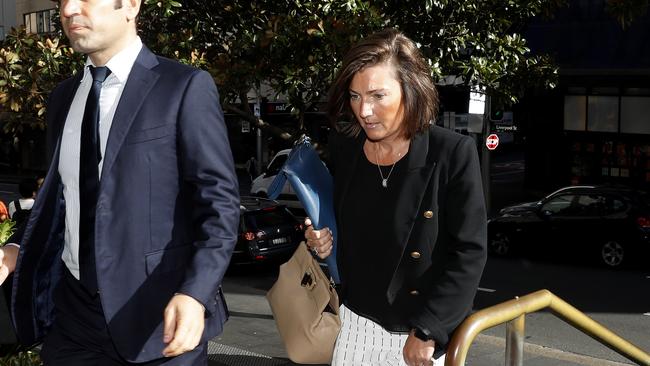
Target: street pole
259	151
257	111
485	154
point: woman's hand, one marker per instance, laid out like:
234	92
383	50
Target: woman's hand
319	241
418	352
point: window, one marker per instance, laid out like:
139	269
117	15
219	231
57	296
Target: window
606	109
276	164
575	117
40	21
590	206
635	115
268	217
558	205
603	114
614	206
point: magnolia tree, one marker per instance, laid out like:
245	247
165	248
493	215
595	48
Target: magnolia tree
30	67
295	46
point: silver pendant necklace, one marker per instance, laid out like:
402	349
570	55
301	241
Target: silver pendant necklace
384	181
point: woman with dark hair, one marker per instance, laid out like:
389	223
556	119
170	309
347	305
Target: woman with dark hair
409	207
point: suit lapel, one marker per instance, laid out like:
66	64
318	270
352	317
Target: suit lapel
421	164
139	84
420	167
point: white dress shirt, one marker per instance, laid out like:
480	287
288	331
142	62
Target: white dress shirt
25	204
120	66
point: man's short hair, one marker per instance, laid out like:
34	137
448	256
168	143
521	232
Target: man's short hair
27	187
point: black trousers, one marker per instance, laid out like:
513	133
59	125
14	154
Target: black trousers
80	337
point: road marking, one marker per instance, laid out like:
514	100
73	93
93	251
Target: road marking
647	314
486	289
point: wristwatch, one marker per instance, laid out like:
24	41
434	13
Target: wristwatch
422	334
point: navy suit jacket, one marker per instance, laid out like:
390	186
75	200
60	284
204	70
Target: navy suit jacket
167	211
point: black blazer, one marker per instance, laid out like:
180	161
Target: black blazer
442	221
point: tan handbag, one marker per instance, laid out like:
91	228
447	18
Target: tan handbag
306	309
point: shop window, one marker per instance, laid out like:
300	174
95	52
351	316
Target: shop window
635	115
40	21
575	117
602	114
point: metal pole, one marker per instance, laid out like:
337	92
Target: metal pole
258	168
485	155
515	341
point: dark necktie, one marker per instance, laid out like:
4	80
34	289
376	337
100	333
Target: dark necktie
90	156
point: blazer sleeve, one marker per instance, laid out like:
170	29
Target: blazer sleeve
207	167
465	226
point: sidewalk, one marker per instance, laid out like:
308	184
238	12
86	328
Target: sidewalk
250	338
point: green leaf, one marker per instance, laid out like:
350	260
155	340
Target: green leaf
7	228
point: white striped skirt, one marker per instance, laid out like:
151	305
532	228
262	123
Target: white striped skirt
363	342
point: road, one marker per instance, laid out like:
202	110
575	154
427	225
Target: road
618	300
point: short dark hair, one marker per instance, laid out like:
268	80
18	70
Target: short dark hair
419	95
27	187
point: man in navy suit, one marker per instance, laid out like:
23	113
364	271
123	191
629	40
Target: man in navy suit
146	197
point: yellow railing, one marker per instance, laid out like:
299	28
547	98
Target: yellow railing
514	311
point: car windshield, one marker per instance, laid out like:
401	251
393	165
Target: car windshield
268	217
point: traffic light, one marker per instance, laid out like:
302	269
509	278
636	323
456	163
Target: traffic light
496	114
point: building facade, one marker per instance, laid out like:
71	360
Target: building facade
7	16
36	15
594	128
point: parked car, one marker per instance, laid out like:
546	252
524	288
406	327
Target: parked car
267	231
287	197
260	185
607	224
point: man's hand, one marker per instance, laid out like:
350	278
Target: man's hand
418	352
183	325
8	257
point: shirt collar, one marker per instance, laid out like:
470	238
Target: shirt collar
121	64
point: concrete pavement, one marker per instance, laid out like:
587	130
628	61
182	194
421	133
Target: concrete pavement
251	338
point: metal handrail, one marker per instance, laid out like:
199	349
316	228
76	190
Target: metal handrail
514	311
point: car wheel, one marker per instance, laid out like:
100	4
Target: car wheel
612	254
500	244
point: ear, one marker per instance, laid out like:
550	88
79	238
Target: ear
132	8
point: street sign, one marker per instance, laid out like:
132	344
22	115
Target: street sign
492	141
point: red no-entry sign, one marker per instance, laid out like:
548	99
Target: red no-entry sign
492	141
